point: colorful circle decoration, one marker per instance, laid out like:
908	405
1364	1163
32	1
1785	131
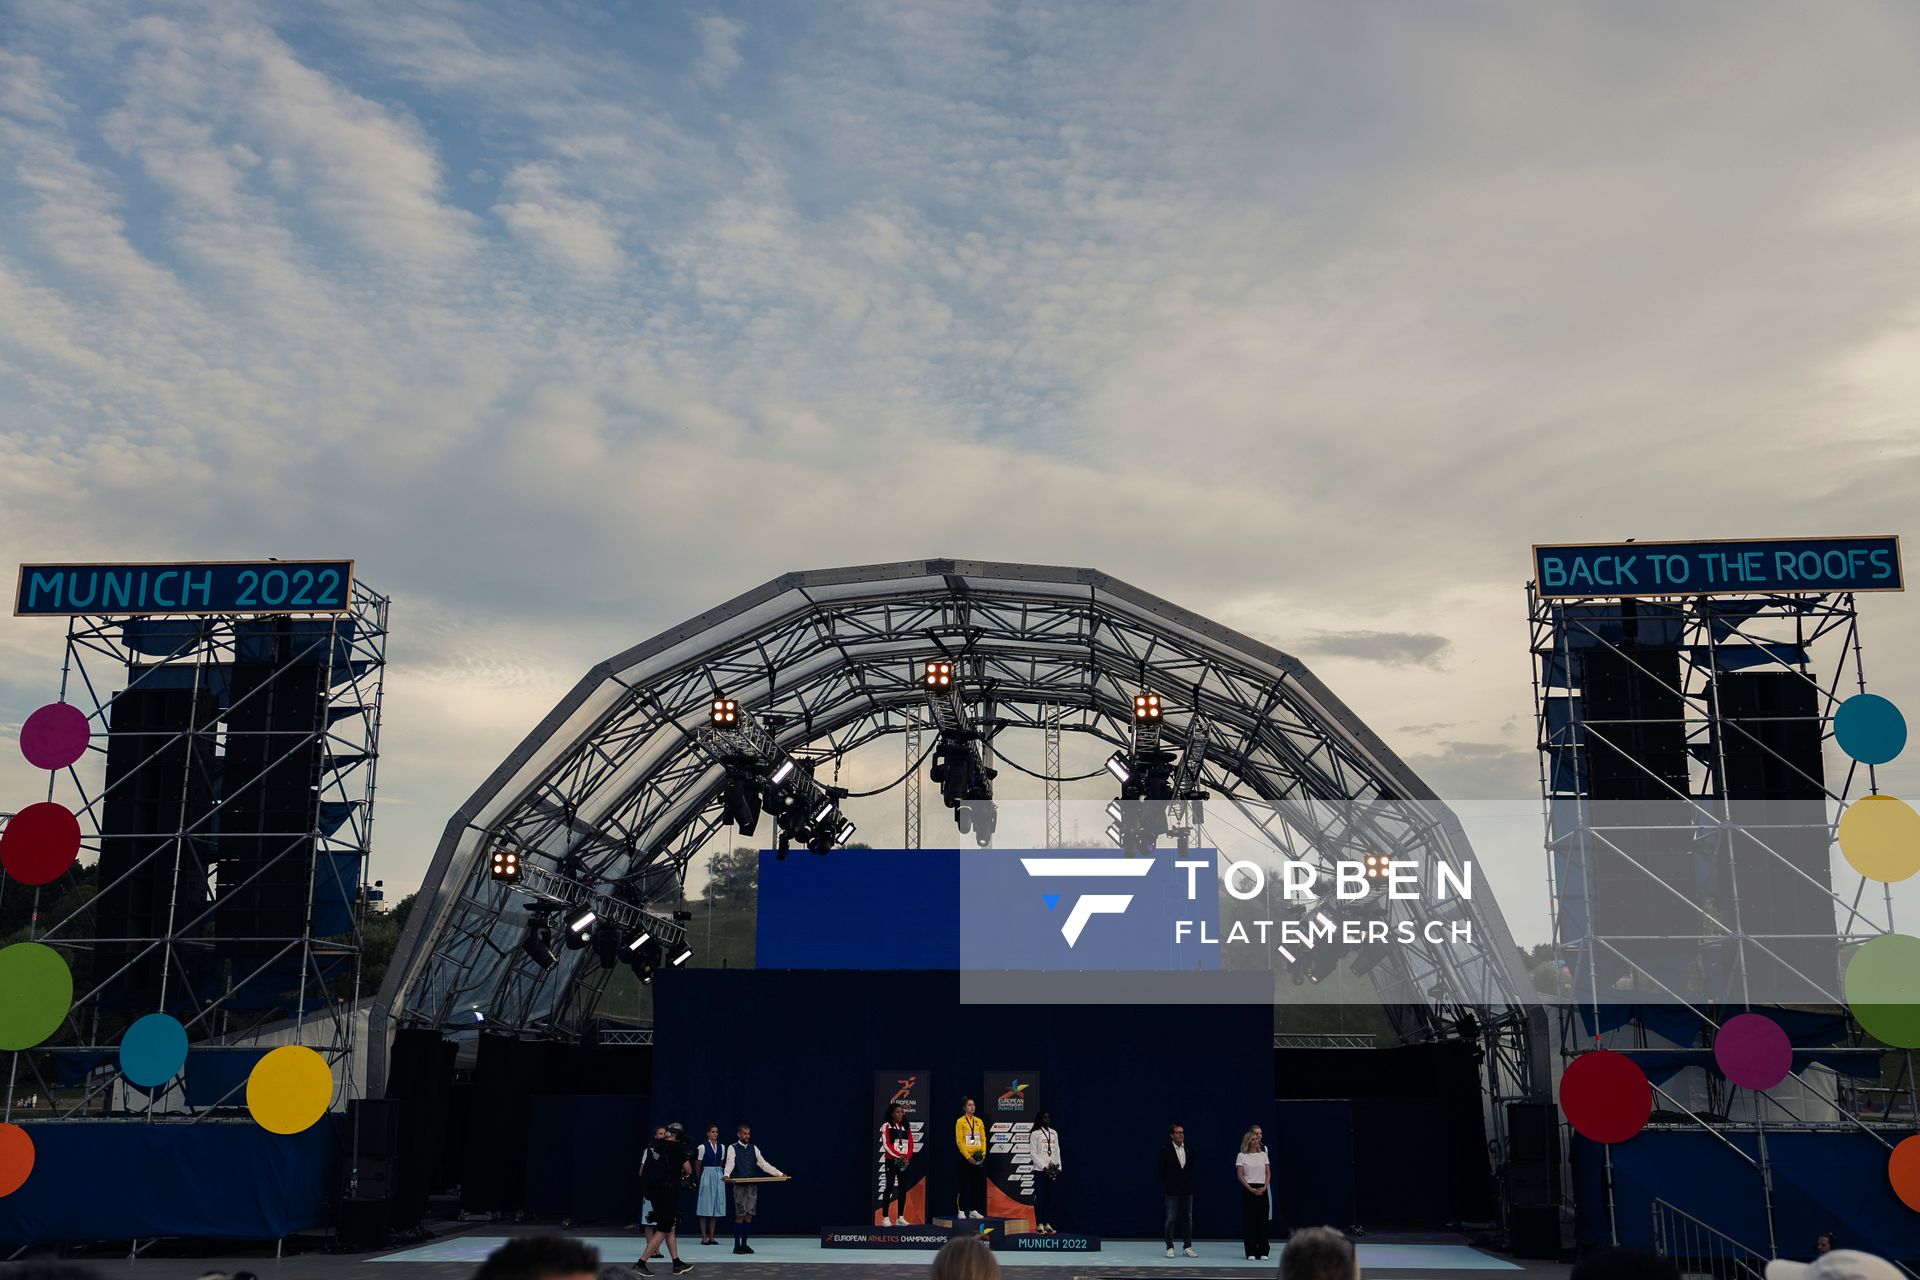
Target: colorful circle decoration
290	1089
154	1050
36	987
1883	986
1606	1096
1753	1051
1880	838
1903	1171
1869	728
55	736
16	1158
40	843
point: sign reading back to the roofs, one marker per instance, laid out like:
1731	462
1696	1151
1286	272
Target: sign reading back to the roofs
241	586
1772	565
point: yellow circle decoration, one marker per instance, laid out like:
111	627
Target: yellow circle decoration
1880	838
289	1089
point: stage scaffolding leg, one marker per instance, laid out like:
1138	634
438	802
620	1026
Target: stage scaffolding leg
1052	770
910	835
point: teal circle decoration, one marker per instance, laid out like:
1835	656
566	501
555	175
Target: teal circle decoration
1869	728
1883	986
153	1050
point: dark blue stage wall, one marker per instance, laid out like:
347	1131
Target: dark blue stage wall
120	1179
1822	1182
793	1052
985	910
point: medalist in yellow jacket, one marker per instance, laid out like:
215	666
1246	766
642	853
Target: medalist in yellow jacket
970	1136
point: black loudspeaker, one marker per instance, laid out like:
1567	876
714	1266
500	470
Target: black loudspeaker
275	719
1643	861
1773	779
1533	1154
371	1159
159	783
362	1225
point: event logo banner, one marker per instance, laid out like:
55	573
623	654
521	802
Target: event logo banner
1807	566
264	586
1011	1099
913	1090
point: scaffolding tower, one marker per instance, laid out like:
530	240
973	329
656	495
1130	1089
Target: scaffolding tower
226	813
1690	805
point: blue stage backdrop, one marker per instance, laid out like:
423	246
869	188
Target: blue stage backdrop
119	1179
1822	1182
793	1054
985	910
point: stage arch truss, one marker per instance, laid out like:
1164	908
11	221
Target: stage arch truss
615	785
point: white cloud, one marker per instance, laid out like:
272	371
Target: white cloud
1312	320
719	49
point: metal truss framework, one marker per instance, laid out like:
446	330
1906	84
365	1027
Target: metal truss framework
1813	638
219	972
614	780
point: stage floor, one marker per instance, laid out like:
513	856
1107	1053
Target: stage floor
455	1256
1128	1256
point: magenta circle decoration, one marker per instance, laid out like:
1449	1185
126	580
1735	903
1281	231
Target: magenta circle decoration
1753	1051
55	736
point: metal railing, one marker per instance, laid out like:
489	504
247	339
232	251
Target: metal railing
1701	1250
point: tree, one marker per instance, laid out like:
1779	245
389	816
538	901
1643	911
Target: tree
733	878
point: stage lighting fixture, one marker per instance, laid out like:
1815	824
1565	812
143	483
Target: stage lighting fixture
1114	811
1117	766
1113	834
1376	866
939	675
506	866
686	954
1146	706
845	833
682	916
538	944
606	947
823	812
640	941
740	801
725	713
580	931
644	959
782	771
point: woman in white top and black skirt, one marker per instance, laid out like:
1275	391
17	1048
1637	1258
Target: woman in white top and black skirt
1043	1145
1253	1169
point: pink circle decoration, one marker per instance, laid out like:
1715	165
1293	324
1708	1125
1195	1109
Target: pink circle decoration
1606	1096
1753	1051
40	843
55	736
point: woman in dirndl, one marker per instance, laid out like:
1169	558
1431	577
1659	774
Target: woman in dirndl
711	1159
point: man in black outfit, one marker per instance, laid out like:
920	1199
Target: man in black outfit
664	1172
1176	1180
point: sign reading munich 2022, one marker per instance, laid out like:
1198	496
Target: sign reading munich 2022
1794	566
241	586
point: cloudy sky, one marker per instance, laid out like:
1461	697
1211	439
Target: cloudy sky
568	321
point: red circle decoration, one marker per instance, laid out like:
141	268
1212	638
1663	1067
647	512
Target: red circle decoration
16	1158
1606	1096
1903	1171
40	843
55	736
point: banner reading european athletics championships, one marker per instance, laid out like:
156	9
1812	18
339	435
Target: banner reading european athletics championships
1012	1101
913	1090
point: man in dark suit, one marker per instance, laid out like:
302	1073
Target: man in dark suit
1176	1180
